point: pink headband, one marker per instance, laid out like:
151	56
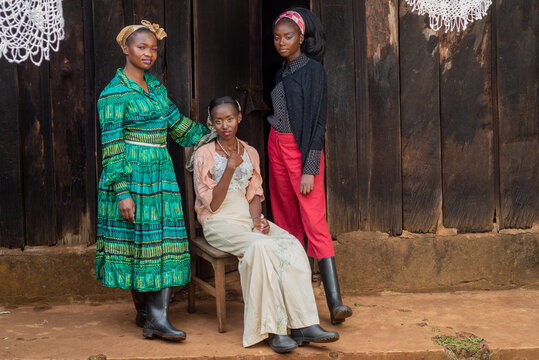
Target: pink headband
295	17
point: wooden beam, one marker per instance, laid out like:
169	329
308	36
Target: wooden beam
420	122
467	128
11	180
362	112
69	131
91	126
517	50
382	50
340	149
38	171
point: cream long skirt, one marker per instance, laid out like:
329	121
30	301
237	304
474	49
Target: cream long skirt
274	270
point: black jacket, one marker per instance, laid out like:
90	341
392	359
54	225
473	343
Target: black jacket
306	102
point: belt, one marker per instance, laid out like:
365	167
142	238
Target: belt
145	144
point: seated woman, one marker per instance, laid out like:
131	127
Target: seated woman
274	269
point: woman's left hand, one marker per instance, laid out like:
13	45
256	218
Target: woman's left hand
261	225
307	184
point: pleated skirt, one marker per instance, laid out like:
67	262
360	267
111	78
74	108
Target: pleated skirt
153	253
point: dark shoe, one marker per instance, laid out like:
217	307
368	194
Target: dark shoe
281	343
337	310
157	323
313	333
139	299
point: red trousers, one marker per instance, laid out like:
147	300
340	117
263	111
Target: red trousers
296	213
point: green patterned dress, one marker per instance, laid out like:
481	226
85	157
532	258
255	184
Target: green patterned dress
153	253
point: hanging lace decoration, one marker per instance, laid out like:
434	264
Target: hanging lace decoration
453	14
29	29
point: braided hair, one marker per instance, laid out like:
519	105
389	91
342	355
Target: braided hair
206	139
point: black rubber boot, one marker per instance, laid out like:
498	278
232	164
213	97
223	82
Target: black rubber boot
313	333
157	323
337	310
139	299
281	343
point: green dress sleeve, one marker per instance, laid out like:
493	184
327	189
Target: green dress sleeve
183	130
115	166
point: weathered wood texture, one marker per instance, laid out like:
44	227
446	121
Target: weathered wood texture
466	128
341	179
420	122
69	139
91	126
517	25
153	11
382	50
11	199
37	165
363	135
178	81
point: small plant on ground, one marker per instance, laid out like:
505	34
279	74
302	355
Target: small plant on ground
467	344
463	346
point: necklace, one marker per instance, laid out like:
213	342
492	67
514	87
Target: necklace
226	152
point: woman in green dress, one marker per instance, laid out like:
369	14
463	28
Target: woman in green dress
141	238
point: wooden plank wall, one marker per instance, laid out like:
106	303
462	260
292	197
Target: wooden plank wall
447	124
425	129
363	139
51	141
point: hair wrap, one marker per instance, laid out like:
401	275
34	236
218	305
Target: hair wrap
295	17
128	30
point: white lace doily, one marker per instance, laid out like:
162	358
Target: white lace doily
29	29
453	14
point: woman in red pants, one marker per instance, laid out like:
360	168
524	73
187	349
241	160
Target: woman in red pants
296	141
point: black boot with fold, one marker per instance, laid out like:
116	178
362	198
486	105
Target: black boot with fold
157	323
139	299
328	272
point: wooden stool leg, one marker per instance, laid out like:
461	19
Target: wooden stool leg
192	288
220	294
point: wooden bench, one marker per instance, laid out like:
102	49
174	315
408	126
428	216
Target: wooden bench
200	249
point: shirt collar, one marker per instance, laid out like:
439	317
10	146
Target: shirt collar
296	64
133	85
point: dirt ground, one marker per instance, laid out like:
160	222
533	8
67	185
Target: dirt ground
386	326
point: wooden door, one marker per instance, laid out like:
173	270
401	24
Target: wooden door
228	61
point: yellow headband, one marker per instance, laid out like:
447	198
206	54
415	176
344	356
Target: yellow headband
128	30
